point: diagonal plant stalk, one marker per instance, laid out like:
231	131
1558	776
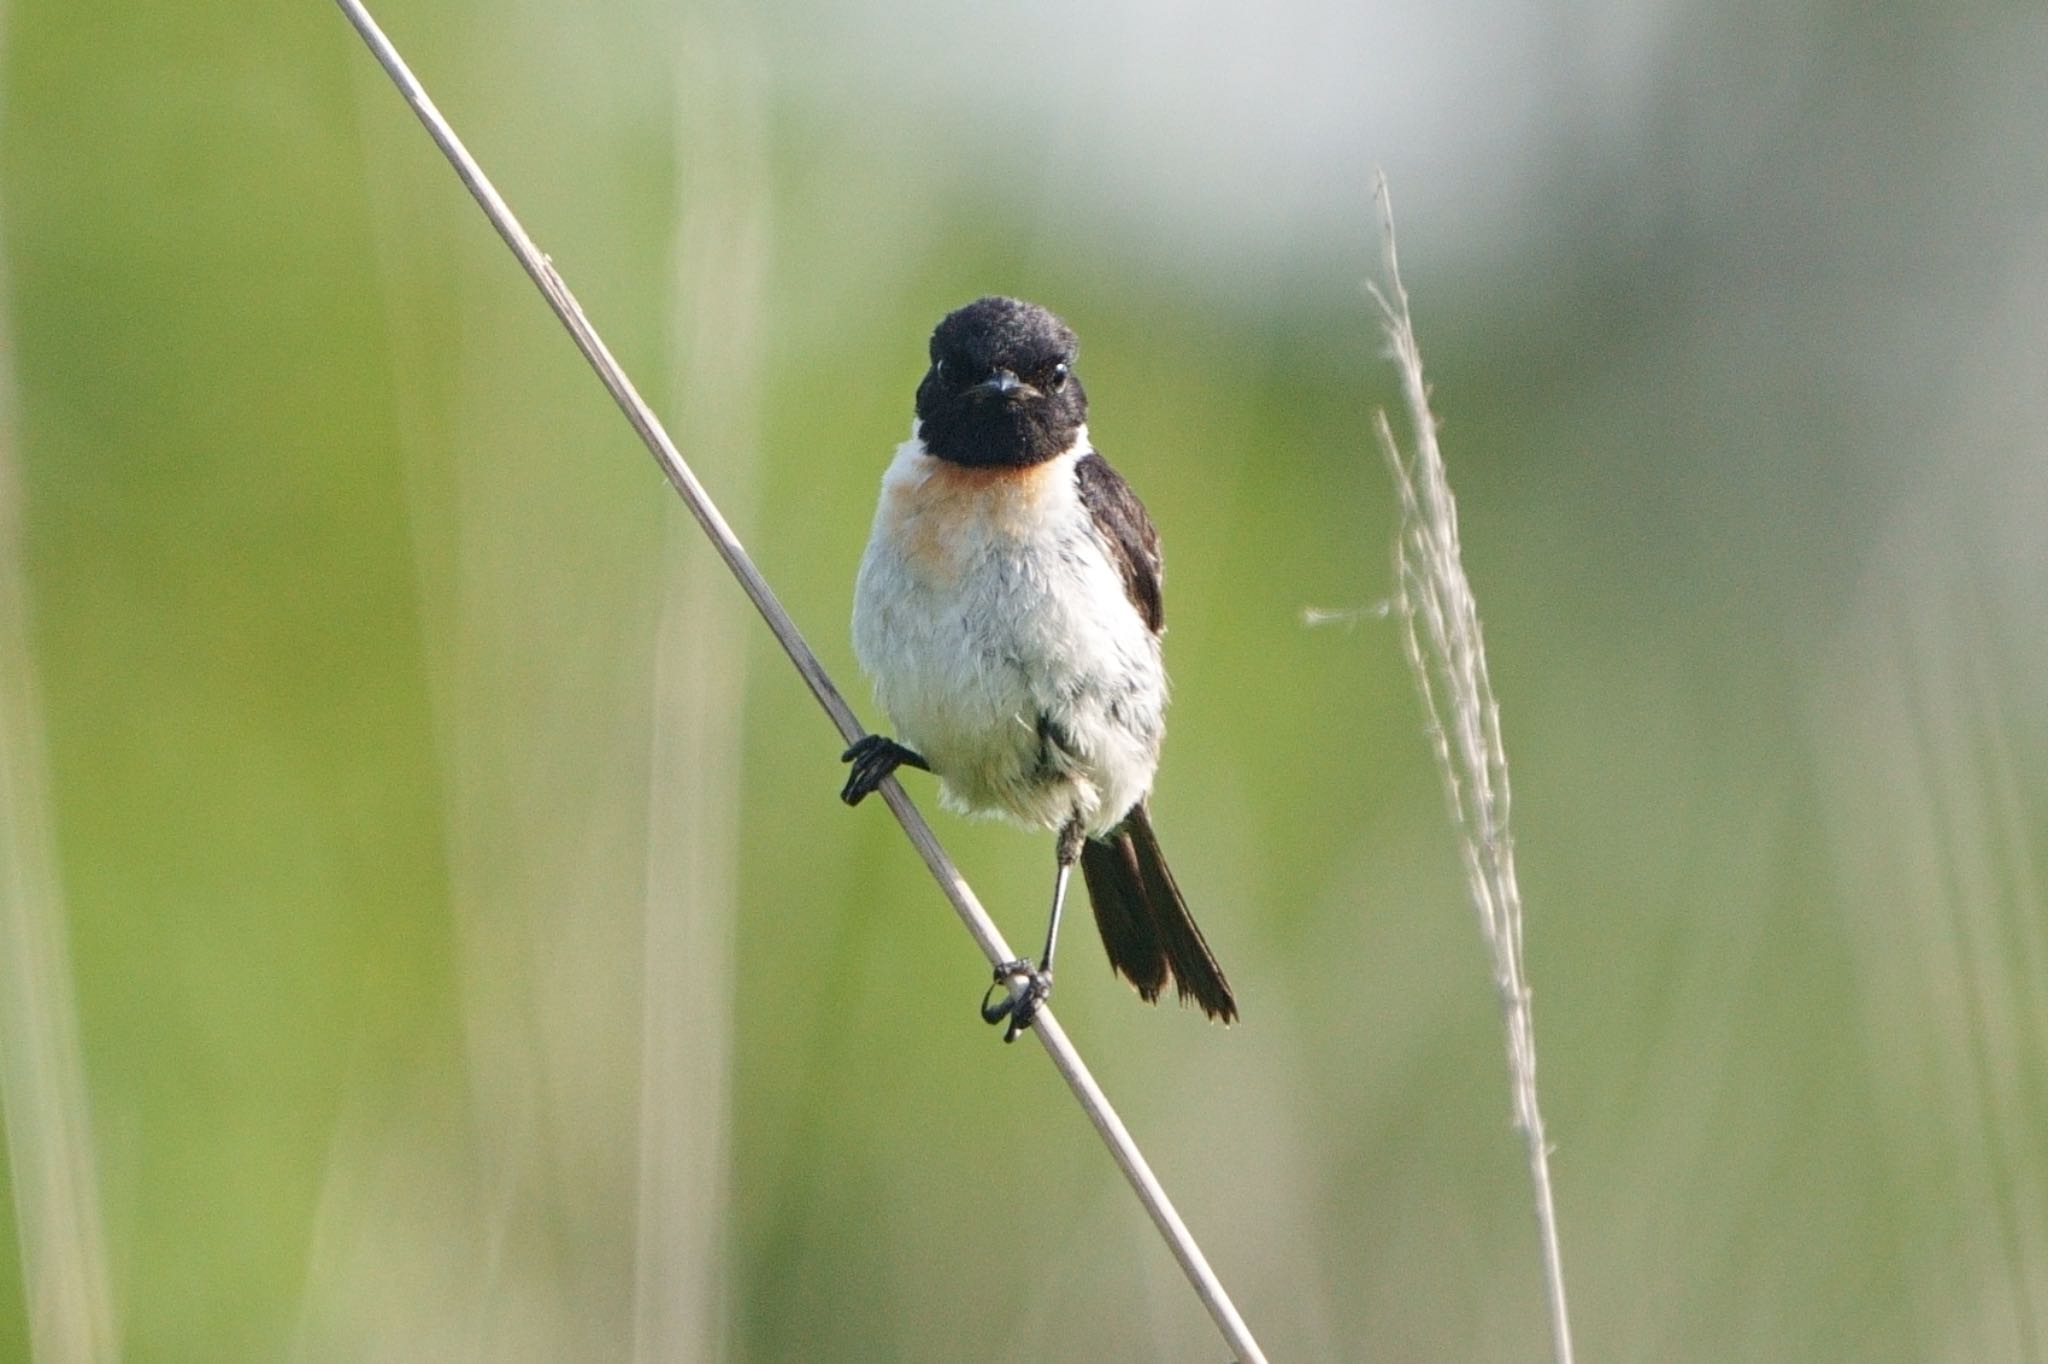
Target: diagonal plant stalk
1122	1148
1447	654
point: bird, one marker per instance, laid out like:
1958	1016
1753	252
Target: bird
1008	610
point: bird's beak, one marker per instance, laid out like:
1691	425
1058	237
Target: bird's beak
999	384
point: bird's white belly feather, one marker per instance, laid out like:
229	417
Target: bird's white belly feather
1002	645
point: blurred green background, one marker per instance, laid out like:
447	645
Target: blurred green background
429	930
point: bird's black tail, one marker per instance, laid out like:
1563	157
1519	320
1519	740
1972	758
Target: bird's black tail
1146	927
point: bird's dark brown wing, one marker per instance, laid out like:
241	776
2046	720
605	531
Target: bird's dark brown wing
1133	544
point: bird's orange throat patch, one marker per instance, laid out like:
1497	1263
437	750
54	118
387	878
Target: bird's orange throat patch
942	512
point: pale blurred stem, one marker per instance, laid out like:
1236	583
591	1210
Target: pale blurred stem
66	1290
43	1100
1047	1029
700	683
1447	654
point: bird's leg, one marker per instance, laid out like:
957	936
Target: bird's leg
1025	988
1067	852
874	758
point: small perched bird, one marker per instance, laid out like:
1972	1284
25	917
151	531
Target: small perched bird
1008	610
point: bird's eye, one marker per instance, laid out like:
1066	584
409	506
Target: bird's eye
1056	378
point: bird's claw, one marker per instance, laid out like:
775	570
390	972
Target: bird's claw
1024	988
873	757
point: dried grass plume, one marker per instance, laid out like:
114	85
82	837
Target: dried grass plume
1447	654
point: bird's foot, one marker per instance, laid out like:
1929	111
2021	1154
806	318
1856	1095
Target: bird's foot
874	758
1024	988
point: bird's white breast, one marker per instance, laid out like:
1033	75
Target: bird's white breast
997	631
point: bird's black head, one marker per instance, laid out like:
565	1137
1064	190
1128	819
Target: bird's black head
1001	390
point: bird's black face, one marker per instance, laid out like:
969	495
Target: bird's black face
1001	390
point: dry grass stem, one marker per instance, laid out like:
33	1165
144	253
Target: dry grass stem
1447	654
1047	1029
